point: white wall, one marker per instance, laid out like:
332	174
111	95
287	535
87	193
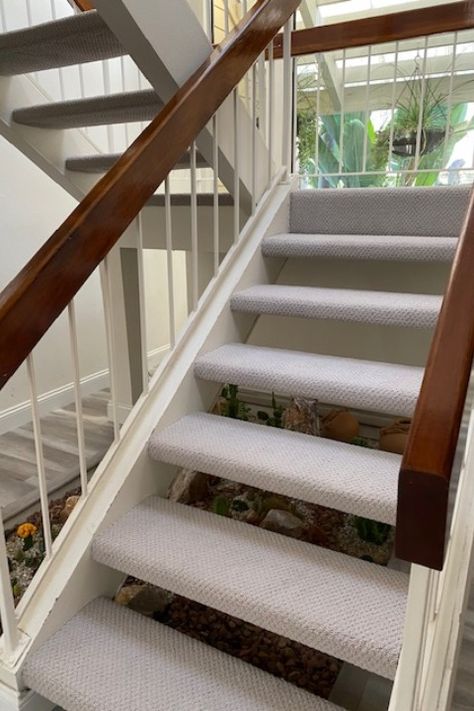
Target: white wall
31	207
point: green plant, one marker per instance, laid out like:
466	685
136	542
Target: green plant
361	442
231	406
276	418
372	531
221	506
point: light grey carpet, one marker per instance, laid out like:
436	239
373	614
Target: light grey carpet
93	111
424	212
366	385
103	162
109	658
71	40
343	606
362	246
380	308
340	476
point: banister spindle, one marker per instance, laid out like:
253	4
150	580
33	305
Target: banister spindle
7	602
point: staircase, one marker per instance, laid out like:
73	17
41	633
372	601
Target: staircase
109	658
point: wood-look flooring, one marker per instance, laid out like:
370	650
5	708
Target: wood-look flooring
18	470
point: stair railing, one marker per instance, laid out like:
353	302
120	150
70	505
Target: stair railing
47	286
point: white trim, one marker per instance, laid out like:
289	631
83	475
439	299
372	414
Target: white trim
11	700
20	414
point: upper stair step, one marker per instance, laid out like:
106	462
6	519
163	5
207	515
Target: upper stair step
108	658
371	247
102	162
123	107
342	606
341	476
72	40
349	382
377	307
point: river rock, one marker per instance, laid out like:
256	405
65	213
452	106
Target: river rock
188	487
283	522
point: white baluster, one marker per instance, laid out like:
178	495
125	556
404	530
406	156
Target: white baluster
271	108
169	263
7	602
254	137
287	98
111	349
42	482
318	113
343	96
81	445
215	177
367	110
393	105
419	133
142	306
450	98
194	230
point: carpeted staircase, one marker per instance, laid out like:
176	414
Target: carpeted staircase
108	658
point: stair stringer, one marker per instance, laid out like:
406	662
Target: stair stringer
148	30
127	475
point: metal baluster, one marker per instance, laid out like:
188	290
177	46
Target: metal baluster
107	91
341	136
450	98
318	113
393	106
81	445
419	133
367	110
42	482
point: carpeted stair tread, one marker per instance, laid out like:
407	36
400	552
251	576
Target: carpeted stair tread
184	200
342	606
77	39
101	163
376	307
123	107
109	658
401	248
427	212
349	382
341	476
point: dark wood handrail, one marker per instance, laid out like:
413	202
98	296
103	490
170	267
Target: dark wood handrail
45	286
83	5
408	24
428	461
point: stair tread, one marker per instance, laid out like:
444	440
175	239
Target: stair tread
133	662
342	606
102	162
83	37
360	247
123	107
340	476
184	200
377	307
349	382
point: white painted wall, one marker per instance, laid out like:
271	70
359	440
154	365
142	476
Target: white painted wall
32	206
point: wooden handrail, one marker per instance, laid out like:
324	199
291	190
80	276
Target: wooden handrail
83	5
451	17
45	286
428	461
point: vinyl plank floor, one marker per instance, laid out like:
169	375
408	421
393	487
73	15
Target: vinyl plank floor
18	472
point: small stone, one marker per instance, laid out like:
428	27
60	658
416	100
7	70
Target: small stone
150	600
188	487
283	522
126	594
302	416
68	508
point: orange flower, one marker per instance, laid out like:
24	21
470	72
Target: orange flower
25	530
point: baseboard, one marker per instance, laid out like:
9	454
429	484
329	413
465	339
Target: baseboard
34	702
20	414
